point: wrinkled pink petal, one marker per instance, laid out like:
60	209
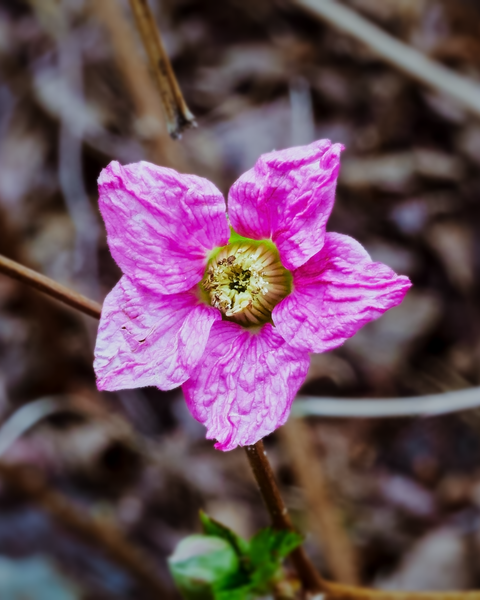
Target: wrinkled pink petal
147	339
244	386
288	197
161	224
335	293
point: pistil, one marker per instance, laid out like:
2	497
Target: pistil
245	281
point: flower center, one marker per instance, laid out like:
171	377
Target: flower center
245	281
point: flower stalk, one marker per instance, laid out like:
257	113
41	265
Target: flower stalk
263	473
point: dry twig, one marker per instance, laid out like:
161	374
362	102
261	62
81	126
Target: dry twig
324	517
50	287
431	404
400	55
338	591
176	110
150	118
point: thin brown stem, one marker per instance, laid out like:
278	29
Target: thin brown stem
338	591
150	118
32	484
279	516
50	287
176	110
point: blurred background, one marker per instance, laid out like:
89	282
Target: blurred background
258	76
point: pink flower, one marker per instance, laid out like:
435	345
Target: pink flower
232	316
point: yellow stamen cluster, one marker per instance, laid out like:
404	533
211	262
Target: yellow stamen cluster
245	281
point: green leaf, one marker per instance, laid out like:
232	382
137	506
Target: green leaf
233	581
265	562
268	548
212	527
240	593
273	543
285	542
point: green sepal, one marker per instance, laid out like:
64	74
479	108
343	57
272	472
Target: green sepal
236	238
213	527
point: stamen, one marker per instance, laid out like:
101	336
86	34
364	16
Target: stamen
245	281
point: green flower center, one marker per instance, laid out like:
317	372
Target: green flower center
245	280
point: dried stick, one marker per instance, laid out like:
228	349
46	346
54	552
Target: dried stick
176	110
150	117
50	287
32	484
338	591
263	473
430	404
324	517
400	55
